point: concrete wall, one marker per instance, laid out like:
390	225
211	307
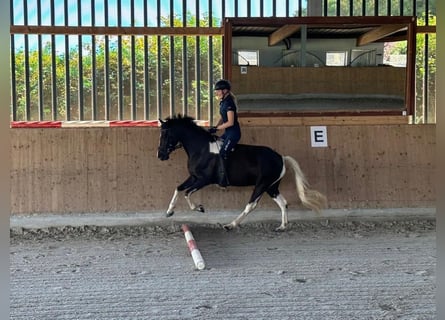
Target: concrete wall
116	169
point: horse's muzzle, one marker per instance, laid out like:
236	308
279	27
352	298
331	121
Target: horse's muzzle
163	155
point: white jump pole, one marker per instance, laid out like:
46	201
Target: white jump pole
193	248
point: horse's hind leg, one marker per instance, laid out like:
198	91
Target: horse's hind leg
249	208
192	205
282	203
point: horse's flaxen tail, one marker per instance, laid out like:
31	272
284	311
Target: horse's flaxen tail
311	199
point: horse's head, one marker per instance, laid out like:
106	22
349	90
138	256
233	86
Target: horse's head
168	141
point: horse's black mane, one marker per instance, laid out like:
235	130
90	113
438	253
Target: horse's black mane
184	120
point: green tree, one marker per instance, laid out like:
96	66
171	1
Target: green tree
170	58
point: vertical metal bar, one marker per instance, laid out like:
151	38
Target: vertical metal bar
27	74
388	7
363	7
146	68
53	65
401	12
120	98
303	45
13	68
133	67
249	8
198	67
376	8
236	8
274	8
325	8
337	8
287	7
13	77
223	9
67	66
411	64
40	64
184	61
351	8
210	66
261	8
159	64
425	78
80	65
172	61
300	8
106	66
414	13
426	65
93	64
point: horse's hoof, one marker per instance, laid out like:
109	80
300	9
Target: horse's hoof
280	229
228	227
169	214
200	208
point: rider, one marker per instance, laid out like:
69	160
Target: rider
229	123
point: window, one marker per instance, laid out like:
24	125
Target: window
247	58
337	58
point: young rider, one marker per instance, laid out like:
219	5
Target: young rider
228	122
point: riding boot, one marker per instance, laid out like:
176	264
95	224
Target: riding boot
223	179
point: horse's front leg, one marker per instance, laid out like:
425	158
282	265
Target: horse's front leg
181	187
172	204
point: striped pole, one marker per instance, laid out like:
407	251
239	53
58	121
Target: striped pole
193	248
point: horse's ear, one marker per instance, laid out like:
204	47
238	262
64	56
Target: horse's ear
161	121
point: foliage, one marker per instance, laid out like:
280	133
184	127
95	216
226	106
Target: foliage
124	53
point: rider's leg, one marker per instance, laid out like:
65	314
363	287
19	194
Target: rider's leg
223	179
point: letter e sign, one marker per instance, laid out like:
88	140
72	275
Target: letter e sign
319	136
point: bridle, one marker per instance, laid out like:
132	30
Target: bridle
170	146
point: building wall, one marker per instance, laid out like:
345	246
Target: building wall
116	169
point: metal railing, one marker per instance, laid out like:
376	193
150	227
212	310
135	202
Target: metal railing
143	60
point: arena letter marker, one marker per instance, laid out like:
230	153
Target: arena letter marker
193	248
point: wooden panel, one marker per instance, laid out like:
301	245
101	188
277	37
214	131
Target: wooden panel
327	80
313	121
116	169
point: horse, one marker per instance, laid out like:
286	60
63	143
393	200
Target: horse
248	165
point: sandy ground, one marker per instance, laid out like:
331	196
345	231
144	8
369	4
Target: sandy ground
316	270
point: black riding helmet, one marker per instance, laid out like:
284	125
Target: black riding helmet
222	84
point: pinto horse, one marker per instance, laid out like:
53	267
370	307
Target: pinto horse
248	165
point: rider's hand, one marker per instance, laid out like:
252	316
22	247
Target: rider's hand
212	130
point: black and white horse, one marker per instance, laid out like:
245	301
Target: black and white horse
248	165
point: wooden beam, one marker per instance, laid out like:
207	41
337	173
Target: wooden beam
282	33
143	31
426	29
380	33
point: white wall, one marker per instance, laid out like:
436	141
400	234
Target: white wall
278	55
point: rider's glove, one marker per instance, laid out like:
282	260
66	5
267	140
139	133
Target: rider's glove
212	130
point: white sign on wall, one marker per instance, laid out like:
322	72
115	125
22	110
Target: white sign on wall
319	136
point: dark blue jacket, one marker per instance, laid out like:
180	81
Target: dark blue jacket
233	132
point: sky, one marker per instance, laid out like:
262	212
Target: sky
86	16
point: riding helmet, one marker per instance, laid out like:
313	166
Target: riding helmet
222	84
